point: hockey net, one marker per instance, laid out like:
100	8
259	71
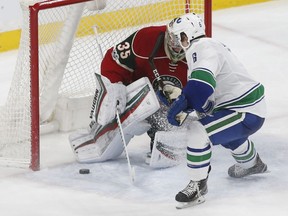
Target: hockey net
61	47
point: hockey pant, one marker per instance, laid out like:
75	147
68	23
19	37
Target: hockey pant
226	127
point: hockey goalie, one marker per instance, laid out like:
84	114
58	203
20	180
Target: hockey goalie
125	71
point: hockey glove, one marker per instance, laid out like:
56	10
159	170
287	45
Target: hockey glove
178	111
168	94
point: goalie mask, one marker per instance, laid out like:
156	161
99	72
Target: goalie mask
189	25
172	48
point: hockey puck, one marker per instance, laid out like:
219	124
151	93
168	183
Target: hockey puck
84	171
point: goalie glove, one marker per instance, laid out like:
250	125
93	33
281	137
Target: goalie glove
168	94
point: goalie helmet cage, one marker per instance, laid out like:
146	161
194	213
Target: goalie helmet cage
59	54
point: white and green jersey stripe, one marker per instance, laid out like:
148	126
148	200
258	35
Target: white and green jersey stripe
212	63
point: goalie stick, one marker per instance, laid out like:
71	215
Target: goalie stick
159	40
131	169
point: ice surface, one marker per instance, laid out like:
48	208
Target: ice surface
257	34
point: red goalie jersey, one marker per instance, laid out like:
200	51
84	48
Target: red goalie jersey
129	60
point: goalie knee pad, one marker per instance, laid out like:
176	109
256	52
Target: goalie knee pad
108	97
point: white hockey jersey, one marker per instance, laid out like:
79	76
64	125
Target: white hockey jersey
212	65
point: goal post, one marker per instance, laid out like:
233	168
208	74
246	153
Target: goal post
34	70
53	83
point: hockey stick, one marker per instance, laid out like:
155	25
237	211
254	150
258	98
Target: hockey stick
183	115
159	40
131	169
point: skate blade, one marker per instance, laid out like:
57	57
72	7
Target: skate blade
182	205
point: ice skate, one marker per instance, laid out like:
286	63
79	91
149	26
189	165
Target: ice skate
236	171
192	194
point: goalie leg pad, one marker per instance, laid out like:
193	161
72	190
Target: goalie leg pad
102	143
169	148
89	145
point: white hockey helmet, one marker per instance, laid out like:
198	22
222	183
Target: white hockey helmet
190	25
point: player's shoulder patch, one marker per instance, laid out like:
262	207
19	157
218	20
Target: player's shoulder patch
123	53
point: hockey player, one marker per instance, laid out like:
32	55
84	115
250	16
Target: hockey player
129	60
230	104
145	53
